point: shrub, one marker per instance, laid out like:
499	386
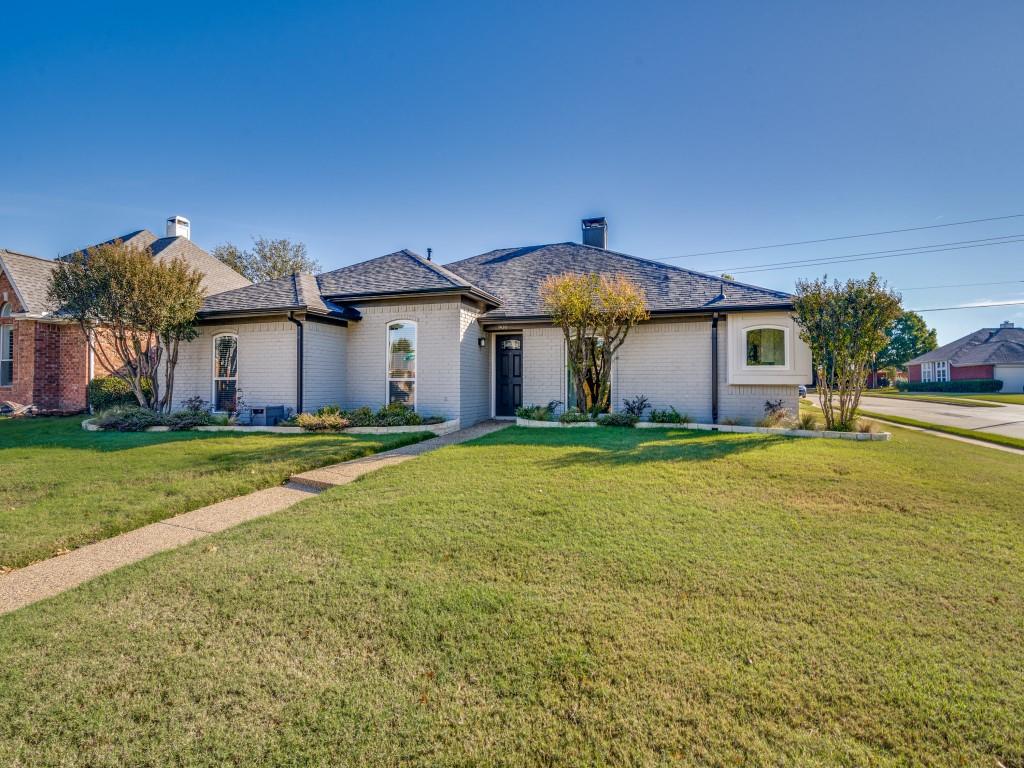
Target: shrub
361	417
322	422
620	419
964	385
774	414
867	427
105	392
128	418
538	412
328	410
574	416
669	416
636	406
807	421
397	415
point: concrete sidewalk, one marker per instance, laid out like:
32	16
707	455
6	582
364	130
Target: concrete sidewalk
58	574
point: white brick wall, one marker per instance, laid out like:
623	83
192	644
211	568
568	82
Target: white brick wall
324	374
266	363
475	363
437	354
544	375
745	402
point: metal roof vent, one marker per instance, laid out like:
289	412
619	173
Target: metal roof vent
1006	324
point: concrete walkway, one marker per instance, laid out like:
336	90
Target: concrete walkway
58	574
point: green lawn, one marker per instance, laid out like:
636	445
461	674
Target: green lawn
974	434
562	597
64	487
1000	398
968	402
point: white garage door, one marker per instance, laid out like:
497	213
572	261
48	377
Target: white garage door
1012	377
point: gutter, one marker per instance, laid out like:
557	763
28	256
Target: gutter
714	368
299	361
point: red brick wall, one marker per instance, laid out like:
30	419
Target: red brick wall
961	372
914	372
61	367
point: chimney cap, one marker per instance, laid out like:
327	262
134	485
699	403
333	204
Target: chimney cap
179	226
1006	324
595	232
597	221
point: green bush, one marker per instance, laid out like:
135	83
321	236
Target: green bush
105	392
398	415
669	416
188	418
574	416
322	422
361	417
128	418
636	406
328	410
620	419
965	385
538	412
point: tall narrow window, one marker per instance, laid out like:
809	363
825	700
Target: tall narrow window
942	370
927	373
402	363
6	354
225	372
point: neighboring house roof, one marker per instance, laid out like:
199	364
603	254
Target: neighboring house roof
988	346
514	275
217	276
30	278
291	293
400	272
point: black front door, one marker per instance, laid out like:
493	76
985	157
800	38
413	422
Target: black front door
508	374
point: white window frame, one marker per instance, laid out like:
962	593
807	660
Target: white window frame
7	346
387	362
214	378
787	359
942	370
927	373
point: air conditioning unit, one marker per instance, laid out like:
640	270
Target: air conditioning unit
266	415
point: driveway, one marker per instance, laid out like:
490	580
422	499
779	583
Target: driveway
1006	420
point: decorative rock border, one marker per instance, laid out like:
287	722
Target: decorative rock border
444	428
877	436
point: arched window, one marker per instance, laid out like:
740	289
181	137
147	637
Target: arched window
225	372
6	348
766	346
401	362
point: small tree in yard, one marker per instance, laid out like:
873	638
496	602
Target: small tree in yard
845	326
595	312
134	311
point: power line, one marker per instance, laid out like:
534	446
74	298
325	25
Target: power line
826	259
960	285
846	237
971	306
842	260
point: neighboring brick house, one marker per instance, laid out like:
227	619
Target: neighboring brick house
990	353
44	358
471	339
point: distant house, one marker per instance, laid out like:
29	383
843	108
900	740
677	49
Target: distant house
472	339
991	353
44	358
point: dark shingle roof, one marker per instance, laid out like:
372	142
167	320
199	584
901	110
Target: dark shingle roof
293	292
989	346
514	275
399	272
30	276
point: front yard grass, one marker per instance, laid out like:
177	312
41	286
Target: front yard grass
966	402
974	434
562	597
63	487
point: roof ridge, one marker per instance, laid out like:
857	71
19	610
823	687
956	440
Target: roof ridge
28	255
447	274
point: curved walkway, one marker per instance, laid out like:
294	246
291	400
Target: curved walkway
57	574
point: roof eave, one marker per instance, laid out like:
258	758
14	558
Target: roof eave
659	313
347	298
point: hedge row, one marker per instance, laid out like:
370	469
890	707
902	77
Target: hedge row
965	385
105	392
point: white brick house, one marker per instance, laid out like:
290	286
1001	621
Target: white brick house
470	340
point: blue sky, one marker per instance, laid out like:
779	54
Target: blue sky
363	128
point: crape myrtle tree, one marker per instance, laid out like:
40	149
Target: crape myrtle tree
845	326
268	259
134	310
595	313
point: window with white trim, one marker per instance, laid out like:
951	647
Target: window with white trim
401	362
942	370
927	372
766	346
225	372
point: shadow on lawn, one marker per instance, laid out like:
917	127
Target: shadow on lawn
618	446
